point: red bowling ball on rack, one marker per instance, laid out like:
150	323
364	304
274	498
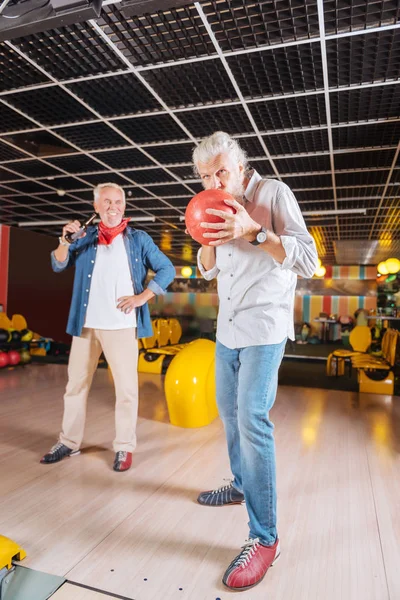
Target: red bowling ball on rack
3	360
14	358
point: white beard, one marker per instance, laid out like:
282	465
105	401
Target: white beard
237	191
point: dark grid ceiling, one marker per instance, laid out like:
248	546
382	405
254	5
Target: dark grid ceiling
310	88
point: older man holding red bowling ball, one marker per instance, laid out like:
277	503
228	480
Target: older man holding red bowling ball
256	253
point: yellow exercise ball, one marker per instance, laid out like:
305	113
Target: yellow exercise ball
393	265
190	385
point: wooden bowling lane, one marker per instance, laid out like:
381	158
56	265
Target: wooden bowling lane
141	534
73	592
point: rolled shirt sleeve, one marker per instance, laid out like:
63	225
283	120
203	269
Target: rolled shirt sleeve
289	225
157	289
211	273
58	265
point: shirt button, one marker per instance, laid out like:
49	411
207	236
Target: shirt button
85	305
231	274
137	259
228	298
229	254
92	261
89	275
230	319
88	290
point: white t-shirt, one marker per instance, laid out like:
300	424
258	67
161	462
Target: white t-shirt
111	279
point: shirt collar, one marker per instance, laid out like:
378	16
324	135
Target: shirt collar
255	178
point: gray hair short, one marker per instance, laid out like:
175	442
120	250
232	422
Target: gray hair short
215	144
98	188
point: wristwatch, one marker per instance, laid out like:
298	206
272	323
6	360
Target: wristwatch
63	242
261	237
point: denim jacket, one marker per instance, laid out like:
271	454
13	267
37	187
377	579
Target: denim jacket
143	254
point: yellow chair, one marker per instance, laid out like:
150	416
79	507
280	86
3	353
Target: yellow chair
374	373
368	385
334	365
5	322
175	331
150	342
154	360
163	332
18	322
190	385
154	350
360	340
150	362
383	359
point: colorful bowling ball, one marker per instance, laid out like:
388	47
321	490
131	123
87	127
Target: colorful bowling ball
14	357
4	336
3	359
26	335
196	213
25	356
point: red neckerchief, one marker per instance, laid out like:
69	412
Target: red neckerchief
107	234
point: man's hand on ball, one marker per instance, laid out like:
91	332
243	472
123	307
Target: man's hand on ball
237	225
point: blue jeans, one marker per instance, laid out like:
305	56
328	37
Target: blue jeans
247	380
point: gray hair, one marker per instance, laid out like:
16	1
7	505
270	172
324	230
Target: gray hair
98	188
215	144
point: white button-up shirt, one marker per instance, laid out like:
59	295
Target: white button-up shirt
256	293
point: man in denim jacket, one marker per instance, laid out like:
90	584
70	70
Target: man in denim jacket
109	305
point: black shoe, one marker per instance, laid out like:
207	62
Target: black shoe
224	495
57	453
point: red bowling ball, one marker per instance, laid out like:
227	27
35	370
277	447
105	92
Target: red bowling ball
3	359
14	357
196	213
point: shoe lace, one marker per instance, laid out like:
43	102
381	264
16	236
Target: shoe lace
56	447
225	487
249	549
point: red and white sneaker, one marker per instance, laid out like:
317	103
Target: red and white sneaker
251	565
123	460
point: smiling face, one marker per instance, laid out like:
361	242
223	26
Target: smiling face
110	206
223	172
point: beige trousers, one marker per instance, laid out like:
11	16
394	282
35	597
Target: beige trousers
120	348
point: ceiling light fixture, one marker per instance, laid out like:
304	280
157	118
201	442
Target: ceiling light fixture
65	221
341	211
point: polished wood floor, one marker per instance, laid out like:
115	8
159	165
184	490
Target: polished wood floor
141	535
